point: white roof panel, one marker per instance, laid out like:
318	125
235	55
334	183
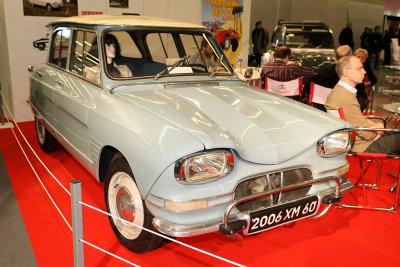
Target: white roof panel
128	20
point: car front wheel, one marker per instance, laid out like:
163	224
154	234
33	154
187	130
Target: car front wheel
47	142
123	200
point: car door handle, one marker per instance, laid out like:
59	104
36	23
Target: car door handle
59	82
40	74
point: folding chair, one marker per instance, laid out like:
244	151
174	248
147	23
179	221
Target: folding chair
318	94
370	158
290	88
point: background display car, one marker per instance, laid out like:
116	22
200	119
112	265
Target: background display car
311	42
49	5
183	148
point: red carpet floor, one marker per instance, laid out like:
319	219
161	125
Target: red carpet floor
343	237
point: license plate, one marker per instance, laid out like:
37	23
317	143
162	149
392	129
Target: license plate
265	219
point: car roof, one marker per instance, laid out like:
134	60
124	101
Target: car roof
126	20
305	25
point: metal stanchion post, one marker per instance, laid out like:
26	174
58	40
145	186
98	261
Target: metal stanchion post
77	224
3	124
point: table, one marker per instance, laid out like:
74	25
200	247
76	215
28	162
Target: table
254	78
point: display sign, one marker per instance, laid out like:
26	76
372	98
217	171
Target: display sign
224	19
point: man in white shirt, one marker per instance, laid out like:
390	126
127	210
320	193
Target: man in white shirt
351	72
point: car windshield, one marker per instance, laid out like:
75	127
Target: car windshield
309	39
144	53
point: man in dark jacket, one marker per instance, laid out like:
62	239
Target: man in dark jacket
375	40
260	38
346	36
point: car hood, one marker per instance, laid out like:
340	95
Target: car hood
260	126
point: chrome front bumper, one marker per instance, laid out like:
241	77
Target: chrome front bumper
232	223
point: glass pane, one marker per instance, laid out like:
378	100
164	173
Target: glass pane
59	50
77	53
91	58
127	45
162	46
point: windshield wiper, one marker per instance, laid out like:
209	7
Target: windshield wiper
215	69
170	68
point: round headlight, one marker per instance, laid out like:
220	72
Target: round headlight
204	166
336	143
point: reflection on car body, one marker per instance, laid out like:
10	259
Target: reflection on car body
181	150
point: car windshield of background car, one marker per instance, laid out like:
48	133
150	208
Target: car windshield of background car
312	39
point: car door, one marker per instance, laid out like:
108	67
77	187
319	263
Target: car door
45	78
74	95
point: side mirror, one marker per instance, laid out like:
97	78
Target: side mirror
31	68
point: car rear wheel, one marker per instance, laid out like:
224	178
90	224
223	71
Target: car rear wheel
41	46
123	200
49	8
47	142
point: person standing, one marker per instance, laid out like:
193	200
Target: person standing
375	40
364	38
346	36
387	40
260	38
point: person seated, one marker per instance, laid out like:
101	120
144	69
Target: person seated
204	57
369	78
280	70
113	52
327	76
343	96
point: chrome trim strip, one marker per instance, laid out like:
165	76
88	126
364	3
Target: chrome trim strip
199	199
191	230
332	170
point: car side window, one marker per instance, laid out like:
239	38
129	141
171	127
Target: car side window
59	49
85	55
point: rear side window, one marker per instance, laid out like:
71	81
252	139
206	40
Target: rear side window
59	47
85	55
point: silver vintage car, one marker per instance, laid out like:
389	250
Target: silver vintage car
153	108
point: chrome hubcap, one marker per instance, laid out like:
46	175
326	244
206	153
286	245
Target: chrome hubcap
125	205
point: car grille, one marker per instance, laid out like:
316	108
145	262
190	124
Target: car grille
272	181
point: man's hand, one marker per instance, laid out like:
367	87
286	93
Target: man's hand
376	124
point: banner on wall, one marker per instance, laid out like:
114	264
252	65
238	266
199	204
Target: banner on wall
224	19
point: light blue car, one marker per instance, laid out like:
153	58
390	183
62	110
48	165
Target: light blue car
183	146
